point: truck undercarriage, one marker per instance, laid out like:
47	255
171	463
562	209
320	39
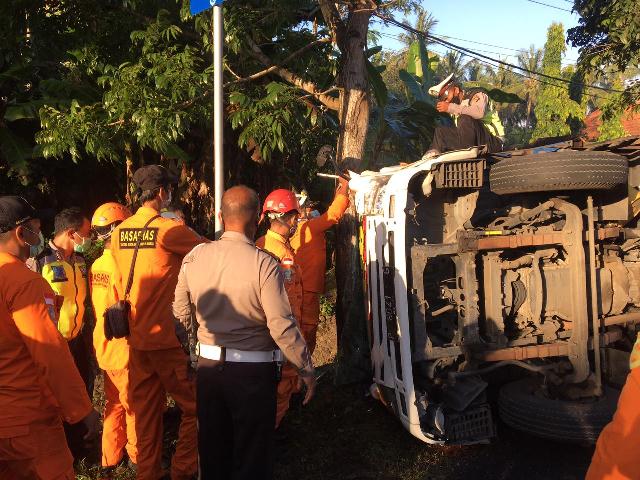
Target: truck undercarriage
470	271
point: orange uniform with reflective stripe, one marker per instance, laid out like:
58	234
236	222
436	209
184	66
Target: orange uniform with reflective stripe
157	364
39	381
164	244
277	245
118	430
111	354
310	247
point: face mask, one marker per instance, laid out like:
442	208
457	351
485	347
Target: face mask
168	202
37	248
82	247
314	214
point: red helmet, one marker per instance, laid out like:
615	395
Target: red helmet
281	201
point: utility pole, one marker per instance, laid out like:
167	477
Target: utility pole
218	109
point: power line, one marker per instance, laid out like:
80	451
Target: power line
485	44
458	48
550	6
480	43
565	62
495	46
544	82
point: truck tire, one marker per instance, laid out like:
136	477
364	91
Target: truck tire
563	170
523	407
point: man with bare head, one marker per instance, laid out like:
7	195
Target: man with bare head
240	209
246	329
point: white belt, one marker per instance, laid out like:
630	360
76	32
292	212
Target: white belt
215	352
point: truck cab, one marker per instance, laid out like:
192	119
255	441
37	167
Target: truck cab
517	272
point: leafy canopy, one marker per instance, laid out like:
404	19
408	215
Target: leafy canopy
554	110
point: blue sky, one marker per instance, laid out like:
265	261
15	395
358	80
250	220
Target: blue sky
508	24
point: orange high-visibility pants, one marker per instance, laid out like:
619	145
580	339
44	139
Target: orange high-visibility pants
37	451
118	430
616	456
310	318
153	374
287	386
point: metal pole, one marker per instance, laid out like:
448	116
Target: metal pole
595	320
218	105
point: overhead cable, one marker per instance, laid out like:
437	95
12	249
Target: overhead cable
550	6
458	48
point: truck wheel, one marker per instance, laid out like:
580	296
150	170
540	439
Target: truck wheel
563	170
523	407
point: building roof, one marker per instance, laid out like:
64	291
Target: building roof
630	122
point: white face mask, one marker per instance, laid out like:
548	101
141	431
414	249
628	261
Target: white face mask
37	248
168	201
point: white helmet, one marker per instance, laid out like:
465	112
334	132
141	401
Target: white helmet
436	89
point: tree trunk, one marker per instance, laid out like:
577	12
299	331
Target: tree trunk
353	343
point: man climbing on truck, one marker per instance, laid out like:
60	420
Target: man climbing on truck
476	121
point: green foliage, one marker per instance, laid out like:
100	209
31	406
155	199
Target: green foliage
608	36
150	100
612	112
554	109
403	126
274	122
327	307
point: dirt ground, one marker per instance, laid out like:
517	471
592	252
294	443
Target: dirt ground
344	434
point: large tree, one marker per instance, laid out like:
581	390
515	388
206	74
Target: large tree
554	110
608	37
530	59
297	75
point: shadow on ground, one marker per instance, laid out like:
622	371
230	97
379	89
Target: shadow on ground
345	434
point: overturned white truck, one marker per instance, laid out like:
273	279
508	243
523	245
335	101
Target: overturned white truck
518	270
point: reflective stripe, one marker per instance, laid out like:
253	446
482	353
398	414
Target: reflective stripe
70	282
492	121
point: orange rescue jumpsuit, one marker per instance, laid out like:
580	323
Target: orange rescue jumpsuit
39	383
157	363
310	249
113	358
277	245
617	456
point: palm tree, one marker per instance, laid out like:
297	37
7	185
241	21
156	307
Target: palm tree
474	70
425	22
452	62
531	60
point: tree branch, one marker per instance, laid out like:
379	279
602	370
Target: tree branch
334	22
273	68
309	87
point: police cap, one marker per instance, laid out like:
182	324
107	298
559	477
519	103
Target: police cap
15	211
151	177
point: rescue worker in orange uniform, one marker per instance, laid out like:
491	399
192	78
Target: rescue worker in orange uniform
39	382
616	456
112	355
282	209
157	363
310	248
